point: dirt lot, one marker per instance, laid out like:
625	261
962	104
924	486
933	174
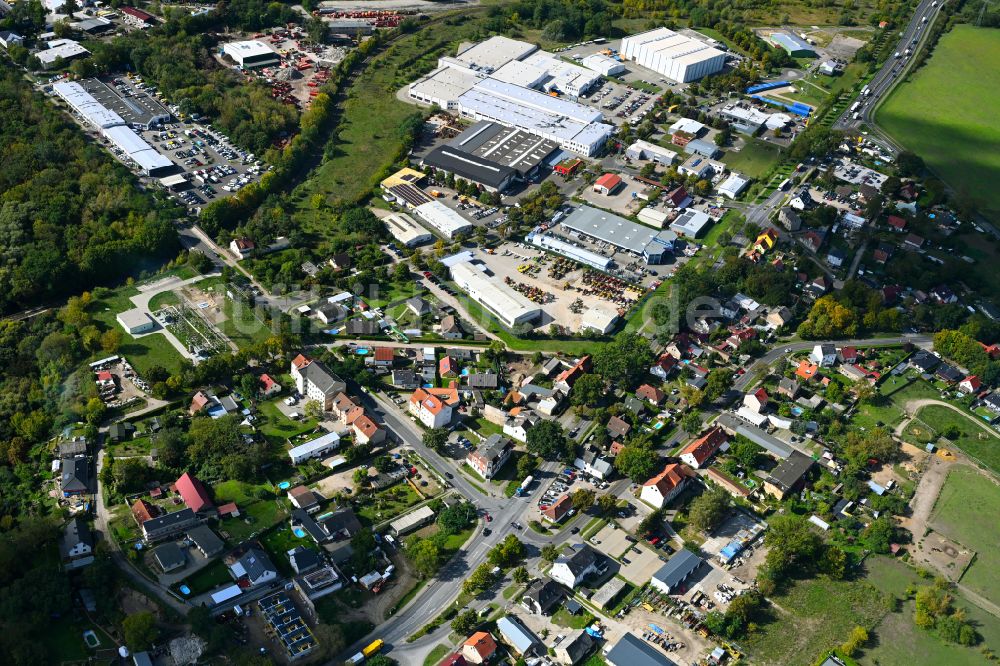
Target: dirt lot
943	555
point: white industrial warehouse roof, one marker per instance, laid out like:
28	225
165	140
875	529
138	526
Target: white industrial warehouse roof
249	48
691	222
446	83
318	444
86	105
600	63
495	52
61	48
138	150
535	112
733	185
492	293
669	44
521	73
560	246
687	125
442	218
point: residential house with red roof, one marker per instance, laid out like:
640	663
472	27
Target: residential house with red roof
970	384
194	493
700	450
564	380
434	411
651	394
366	431
269	387
143	511
666	485
199	402
448	367
381	357
556	511
479	648
897	223
756	401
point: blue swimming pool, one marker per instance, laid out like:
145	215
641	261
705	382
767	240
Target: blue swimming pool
299	532
361	352
796	411
657	425
324	516
185	590
285	485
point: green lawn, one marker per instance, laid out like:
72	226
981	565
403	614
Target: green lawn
435	656
816	616
279	541
208	578
974	439
279	427
899	642
946	113
896	392
65	639
387	504
966	512
755	158
144	352
564	618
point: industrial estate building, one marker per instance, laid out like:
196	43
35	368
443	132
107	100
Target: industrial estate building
644	150
793	44
508	306
690	223
114	129
652	245
442	219
251	53
603	65
492	155
566	249
60	50
406	230
673	55
733	186
512	83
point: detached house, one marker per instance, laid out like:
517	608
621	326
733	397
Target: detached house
366	431
479	648
823	355
556	511
433	407
490	456
564	380
666	485
571	570
77	544
970	384
651	394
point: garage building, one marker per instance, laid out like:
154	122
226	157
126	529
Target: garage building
673	55
508	306
644	150
733	186
135	321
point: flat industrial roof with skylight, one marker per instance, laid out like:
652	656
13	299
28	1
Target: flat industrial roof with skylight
508	306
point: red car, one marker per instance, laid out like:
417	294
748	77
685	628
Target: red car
489	518
654	540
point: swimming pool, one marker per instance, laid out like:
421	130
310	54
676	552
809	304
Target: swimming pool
185	590
324	516
657	425
285	485
299	532
796	411
361	352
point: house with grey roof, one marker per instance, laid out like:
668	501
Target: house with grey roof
521	640
571	570
205	540
253	565
169	557
572	649
542	596
76	546
678	568
630	650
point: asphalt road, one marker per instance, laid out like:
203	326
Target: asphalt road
887	77
783	350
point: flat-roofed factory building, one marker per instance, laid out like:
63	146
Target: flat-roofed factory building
506	305
673	55
652	245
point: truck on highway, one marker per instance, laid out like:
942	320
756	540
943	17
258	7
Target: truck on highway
522	489
856	115
854	107
865	91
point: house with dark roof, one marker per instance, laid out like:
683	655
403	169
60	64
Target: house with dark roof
303	560
490	456
618	427
121	431
168	524
678	569
304	498
316	381
924	361
632	651
250	566
789	476
571	570
76	546
73	448
992	403
788	388
948	373
205	540
542	596
169	557
574	647
75	477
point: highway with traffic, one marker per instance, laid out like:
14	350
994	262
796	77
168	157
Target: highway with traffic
912	38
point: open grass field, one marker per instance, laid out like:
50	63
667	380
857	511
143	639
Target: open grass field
816	615
754	159
897	391
974	439
946	113
966	512
369	135
144	352
897	641
387	504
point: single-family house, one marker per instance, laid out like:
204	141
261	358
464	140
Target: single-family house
564	380
304	498
571	570
448	367
823	355
479	648
242	248
572	649
367	431
76	546
618	427
542	596
651	394
252	565
756	401
205	540
555	512
75	478
788	388
789	476
169	556
970	384
269	387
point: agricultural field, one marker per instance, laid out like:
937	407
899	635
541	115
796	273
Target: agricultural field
899	642
974	440
813	617
966	512
946	113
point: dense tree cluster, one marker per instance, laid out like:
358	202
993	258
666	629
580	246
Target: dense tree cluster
851	312
69	214
936	611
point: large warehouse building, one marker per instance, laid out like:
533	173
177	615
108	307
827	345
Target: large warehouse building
512	83
652	245
793	44
442	219
406	230
113	128
573	126
251	54
579	254
673	55
492	155
508	306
